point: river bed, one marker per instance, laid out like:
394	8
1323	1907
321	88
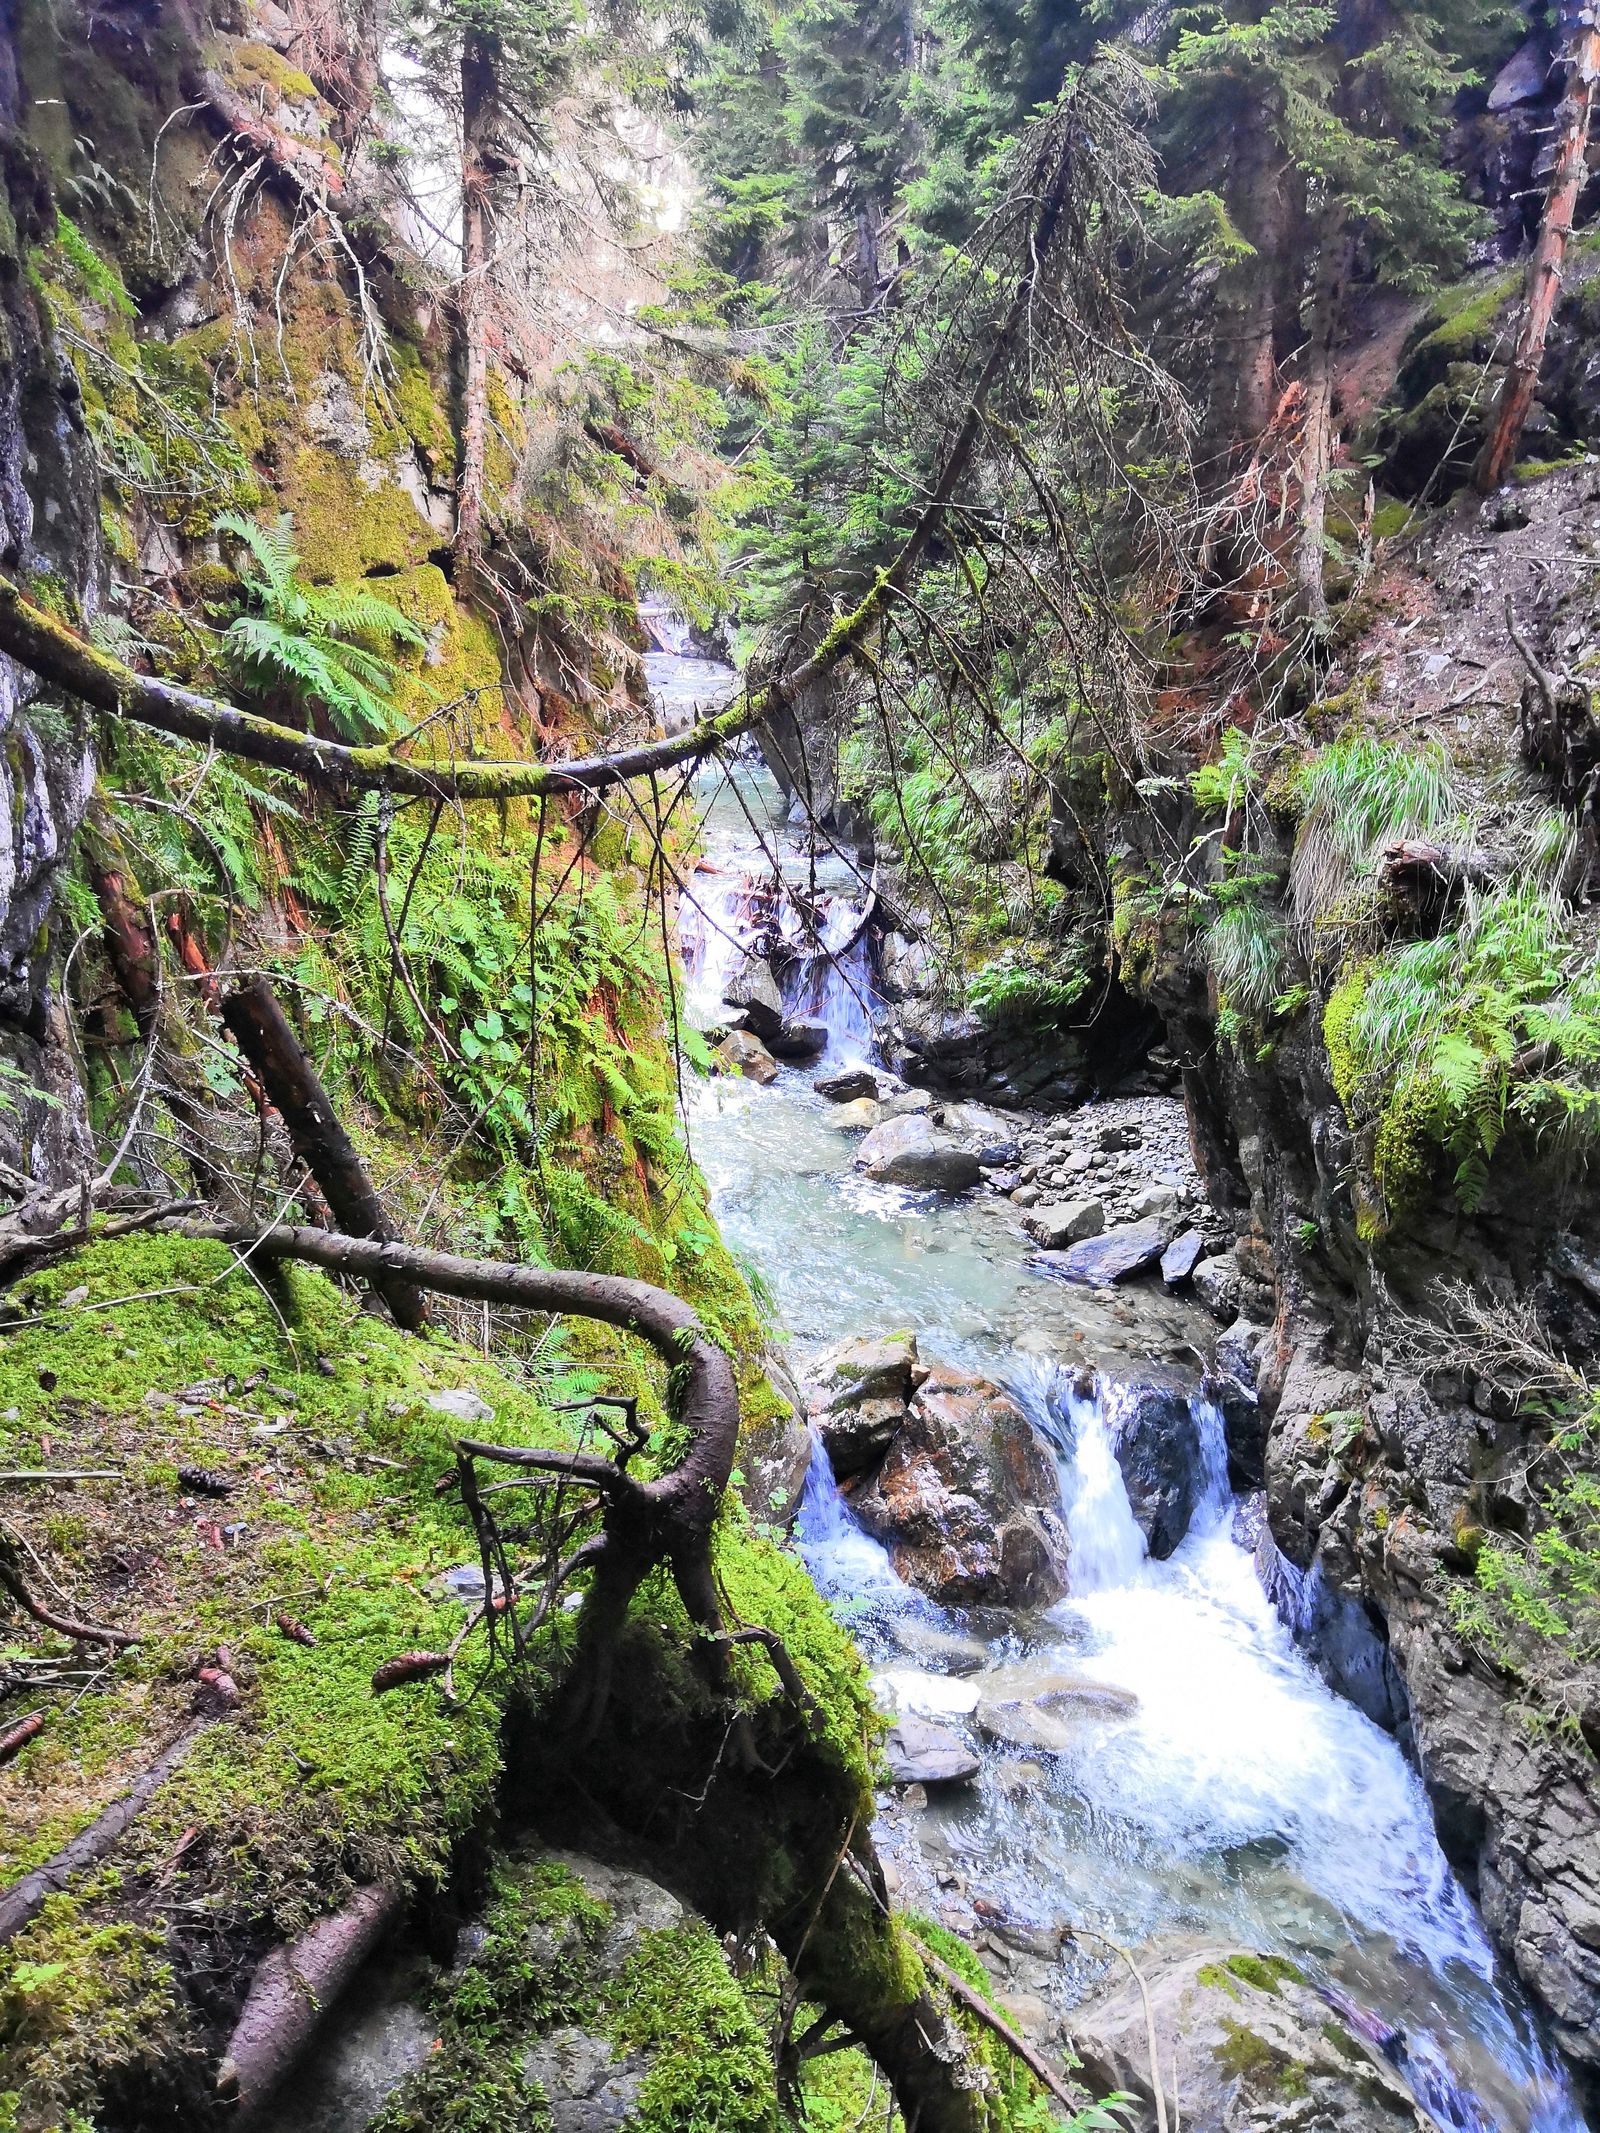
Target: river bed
1238	1801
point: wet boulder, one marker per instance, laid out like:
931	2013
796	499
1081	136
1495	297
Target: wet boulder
752	990
847	1086
1244	2042
799	1038
921	1753
860	1115
856	1394
1181	1257
1116	1256
1157	1444
911	1151
742	1053
967	1499
1217	1284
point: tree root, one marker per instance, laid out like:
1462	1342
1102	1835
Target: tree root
63	1625
25	1899
293	1990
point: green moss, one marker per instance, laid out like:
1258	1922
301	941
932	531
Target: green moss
250	65
83	2006
1344	1062
1461	323
1267	1973
712	2067
1258	2064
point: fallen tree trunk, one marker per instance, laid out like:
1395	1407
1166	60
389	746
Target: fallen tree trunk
293	1990
45	645
262	1032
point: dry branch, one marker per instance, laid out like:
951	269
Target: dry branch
63	1625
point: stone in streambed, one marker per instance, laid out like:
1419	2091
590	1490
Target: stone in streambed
922	1754
942	1648
1157	1446
1049	1689
799	1038
966	1499
1100	1261
1056	1223
848	1086
1217	1284
753	990
859	1115
1024	1725
910	1151
742	1053
1181	1257
856	1394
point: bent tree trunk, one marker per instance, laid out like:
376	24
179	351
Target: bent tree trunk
666	1521
1569	171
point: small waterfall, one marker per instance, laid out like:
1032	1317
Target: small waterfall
836	989
1213	1496
845	1562
1108	1548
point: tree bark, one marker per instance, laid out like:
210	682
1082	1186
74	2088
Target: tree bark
1316	463
262	1032
480	116
293	1990
1249	354
1542	288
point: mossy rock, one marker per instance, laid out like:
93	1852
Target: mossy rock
1246	2038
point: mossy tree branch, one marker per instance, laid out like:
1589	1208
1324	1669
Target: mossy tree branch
41	642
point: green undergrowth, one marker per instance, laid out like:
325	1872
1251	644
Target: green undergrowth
152	1354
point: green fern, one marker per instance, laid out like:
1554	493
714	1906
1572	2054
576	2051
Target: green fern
327	646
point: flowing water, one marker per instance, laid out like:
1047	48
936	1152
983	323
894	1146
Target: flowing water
1232	1799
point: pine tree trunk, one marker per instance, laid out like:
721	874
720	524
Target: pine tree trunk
1249	356
1316	464
1569	171
480	95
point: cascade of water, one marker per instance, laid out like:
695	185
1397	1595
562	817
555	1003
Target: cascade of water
844	1561
836	989
1213	1496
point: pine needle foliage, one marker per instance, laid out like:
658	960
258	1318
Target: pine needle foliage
326	647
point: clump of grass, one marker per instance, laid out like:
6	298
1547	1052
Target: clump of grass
1361	794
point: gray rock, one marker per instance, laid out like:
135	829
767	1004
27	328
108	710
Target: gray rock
799	1038
1247	2044
1239	1351
1181	1257
845	1087
1061	1222
907	1103
921	1753
461	1405
1100	1261
910	1151
1157	1444
753	990
860	1115
1026	1195
743	1053
587	2087
1217	1284
1023	1725
1154	1203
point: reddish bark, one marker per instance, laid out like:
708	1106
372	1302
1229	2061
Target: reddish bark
1568	175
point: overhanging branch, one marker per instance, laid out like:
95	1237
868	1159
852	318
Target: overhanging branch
40	641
